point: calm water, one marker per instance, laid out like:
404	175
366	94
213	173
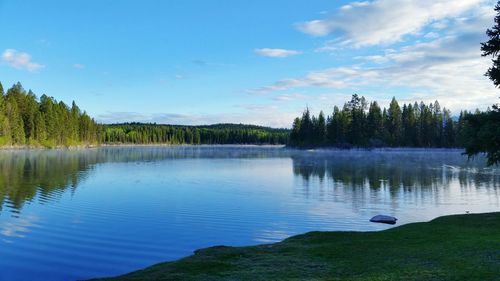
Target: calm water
68	215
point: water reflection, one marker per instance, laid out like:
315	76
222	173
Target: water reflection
62	210
428	173
46	174
25	175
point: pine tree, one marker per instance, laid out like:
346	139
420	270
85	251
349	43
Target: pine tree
483	133
306	128
30	111
394	122
492	48
406	126
448	130
438	125
16	122
4	125
375	124
334	130
40	135
356	109
295	134
320	129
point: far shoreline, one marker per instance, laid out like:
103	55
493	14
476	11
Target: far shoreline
281	146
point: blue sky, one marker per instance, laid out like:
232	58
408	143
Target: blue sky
260	62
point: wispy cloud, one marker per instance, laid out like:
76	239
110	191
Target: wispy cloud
78	66
449	69
20	60
276	53
289	97
443	64
123	116
384	21
265	115
336	78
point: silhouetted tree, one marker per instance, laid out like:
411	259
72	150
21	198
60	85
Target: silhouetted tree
483	132
375	125
393	123
492	47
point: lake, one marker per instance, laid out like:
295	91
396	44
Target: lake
76	214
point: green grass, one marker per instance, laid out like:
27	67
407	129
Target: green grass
459	247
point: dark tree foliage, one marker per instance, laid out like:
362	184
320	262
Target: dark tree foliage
483	135
492	47
26	120
483	132
138	133
375	124
413	125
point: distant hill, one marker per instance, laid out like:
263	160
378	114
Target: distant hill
227	133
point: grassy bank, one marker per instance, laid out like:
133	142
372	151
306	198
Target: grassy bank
459	247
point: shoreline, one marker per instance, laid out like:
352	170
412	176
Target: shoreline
312	149
453	247
41	147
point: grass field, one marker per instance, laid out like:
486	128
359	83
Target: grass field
458	247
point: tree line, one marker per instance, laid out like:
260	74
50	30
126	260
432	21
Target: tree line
138	133
27	120
359	124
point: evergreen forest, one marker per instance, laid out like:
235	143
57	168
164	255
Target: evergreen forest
26	120
362	124
138	133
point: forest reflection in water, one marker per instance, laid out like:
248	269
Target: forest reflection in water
26	174
396	173
61	210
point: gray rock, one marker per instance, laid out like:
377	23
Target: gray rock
384	219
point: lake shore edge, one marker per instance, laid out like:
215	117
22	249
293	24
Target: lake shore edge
316	149
453	247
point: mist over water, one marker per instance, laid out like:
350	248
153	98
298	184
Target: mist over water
75	214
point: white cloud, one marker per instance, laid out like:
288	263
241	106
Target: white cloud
385	21
276	53
446	65
448	69
20	60
440	24
431	35
78	66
